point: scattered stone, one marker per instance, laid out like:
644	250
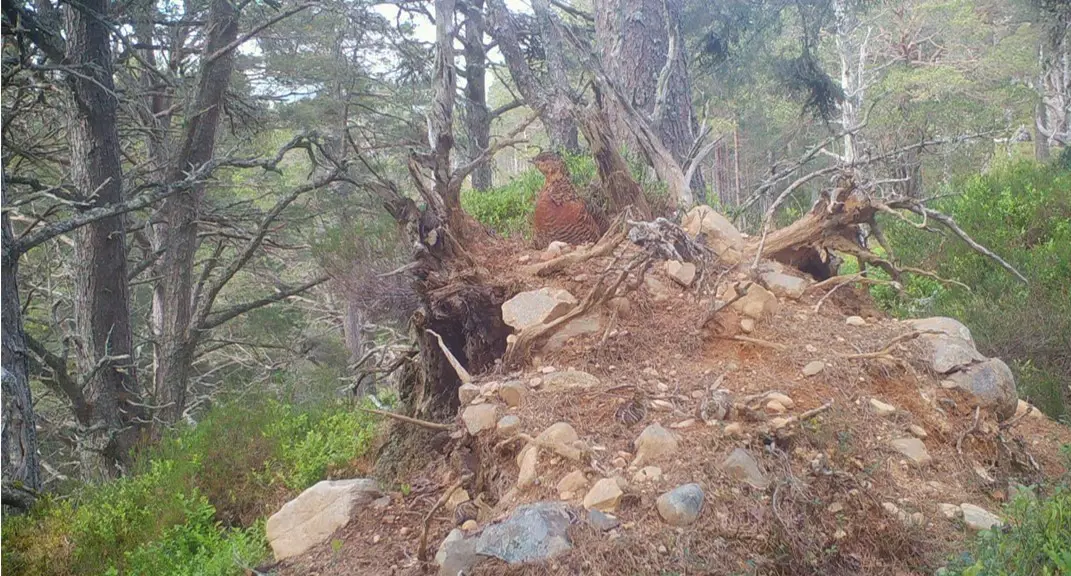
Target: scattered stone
376	538
917	431
757	304
512	392
1022	406
779	422
456	499
944	325
992	385
747	325
586	324
682	273
568	379
814	367
524	259
316	513
508	425
774	278
782	399
836	508
810	348
535	382
381	503
562	439
574	481
647	474
532	533
840	534
537	307
479	418
466	393
489	389
654	443
556	248
547	370
658	289
950	511
977	518
682	505
469	525
775	407
882	409
603	496
895	511
662	405
739	465
529	463
733	429
719	232
913	449
602	521
688	423
855	321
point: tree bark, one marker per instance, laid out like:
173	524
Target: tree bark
548	95
19	436
177	227
477	115
102	301
633	38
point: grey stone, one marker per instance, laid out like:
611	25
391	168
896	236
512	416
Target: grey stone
586	324
978	518
566	379
479	418
719	232
682	505
949	343
537	307
508	425
741	466
532	533
602	521
947	326
456	554
316	513
784	285
653	444
992	384
814	367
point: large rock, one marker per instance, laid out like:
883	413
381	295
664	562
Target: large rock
316	513
992	384
456	554
561	438
567	379
586	324
757	303
532	533
720	233
682	273
772	275
682	505
741	466
653	444
537	307
479	418
949	343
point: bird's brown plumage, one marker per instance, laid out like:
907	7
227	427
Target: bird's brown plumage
560	214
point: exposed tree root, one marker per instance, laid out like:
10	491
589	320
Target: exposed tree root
422	550
613	237
408	420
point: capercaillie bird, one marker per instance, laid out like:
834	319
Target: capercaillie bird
560	213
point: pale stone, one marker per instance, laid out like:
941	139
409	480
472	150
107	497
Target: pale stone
775	407
583	325
456	499
977	518
913	449
574	481
757	303
733	429
562	439
647	474
508	425
659	290
719	232
653	444
688	423
479	418
682	273
537	307
316	513
782	399
1022	406
512	392
603	496
882	409
568	379
747	325
917	431
741	466
950	511
529	467
466	393
814	367
855	321
782	284
621	305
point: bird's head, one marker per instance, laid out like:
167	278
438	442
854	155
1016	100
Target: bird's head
549	163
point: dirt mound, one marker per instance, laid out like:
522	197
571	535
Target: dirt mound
837	497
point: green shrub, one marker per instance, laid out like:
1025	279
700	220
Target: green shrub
1036	542
1023	212
195	503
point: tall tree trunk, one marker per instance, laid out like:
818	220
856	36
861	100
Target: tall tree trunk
852	70
477	115
178	215
19	462
633	38
101	300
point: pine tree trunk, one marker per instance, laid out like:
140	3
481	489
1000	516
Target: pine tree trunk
477	116
101	299
177	231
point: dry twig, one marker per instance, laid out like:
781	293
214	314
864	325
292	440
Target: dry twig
422	551
408	420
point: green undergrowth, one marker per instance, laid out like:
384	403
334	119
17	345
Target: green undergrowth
195	503
1022	211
